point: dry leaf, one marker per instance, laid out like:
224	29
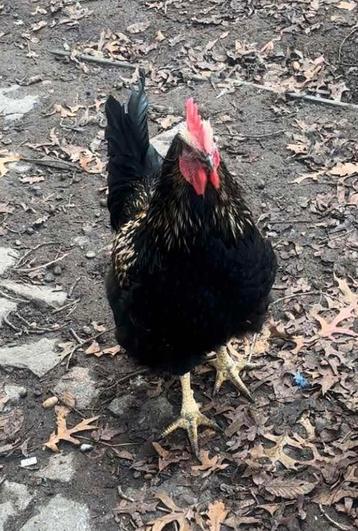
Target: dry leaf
5	158
276	454
344	169
208	464
166	458
94	348
290	488
216	514
63	433
32	180
328	329
348	6
138	27
10	424
6	209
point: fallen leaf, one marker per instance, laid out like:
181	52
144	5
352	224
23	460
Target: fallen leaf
6	209
344	169
63	433
330	328
348	6
208	464
138	27
330	497
166	458
94	348
217	513
10	424
276	453
289	489
32	180
5	158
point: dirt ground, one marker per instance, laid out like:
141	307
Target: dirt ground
289	460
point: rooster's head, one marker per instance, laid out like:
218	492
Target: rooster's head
200	157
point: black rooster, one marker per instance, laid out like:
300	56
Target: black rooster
190	270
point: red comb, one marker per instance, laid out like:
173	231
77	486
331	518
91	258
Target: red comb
195	125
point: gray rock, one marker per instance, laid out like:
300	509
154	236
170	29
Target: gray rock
119	406
60	514
8	257
155	412
39	356
59	468
79	383
6	307
90	254
14	109
162	141
42	294
14	497
14	392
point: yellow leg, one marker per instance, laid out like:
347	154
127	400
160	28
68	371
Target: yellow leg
228	369
190	417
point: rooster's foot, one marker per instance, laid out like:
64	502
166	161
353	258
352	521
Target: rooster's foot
190	416
228	369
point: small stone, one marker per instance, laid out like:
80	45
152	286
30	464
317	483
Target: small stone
37	356
86	329
155	412
49	278
86	447
261	184
59	468
29	231
119	406
79	383
57	270
90	254
60	514
14	392
136	474
37	392
50	402
40	294
103	202
8	257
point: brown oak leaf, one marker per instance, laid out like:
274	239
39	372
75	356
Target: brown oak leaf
63	433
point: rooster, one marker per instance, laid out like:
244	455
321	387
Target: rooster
190	270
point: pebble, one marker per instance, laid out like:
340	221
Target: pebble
30	231
85	447
87	330
261	184
136	474
90	254
22	392
49	277
37	392
50	402
103	202
57	270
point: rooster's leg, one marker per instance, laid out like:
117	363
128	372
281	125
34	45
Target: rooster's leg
228	369
190	416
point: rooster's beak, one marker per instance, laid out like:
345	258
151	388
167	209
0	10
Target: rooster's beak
209	162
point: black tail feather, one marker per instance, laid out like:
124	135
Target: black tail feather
131	157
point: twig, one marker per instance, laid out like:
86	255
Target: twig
252	347
254	137
23	258
295	95
295	295
344	41
35	268
93	59
124	496
72	303
16	299
83	342
340	526
52	163
70	291
6	320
